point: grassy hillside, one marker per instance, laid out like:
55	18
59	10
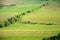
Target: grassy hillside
49	14
8	12
33	25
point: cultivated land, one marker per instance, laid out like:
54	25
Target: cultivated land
24	31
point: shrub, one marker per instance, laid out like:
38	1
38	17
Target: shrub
44	39
43	4
23	14
18	16
58	35
28	22
15	19
6	23
50	24
11	20
28	11
53	37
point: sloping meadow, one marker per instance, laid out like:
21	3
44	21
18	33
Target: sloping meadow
9	12
43	22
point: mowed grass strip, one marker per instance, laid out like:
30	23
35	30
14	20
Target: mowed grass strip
22	38
27	33
20	8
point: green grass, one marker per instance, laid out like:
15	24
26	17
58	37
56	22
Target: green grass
19	8
20	26
22	38
16	10
19	31
48	14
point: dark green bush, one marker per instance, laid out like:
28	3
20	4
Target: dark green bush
44	38
6	23
58	35
53	37
28	22
11	20
43	4
49	24
17	16
28	11
23	14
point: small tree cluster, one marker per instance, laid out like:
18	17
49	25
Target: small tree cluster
4	23
28	11
9	21
53	37
29	22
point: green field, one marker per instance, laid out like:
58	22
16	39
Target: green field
16	10
34	25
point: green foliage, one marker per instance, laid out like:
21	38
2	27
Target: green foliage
11	20
53	37
6	23
28	11
1	5
15	19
